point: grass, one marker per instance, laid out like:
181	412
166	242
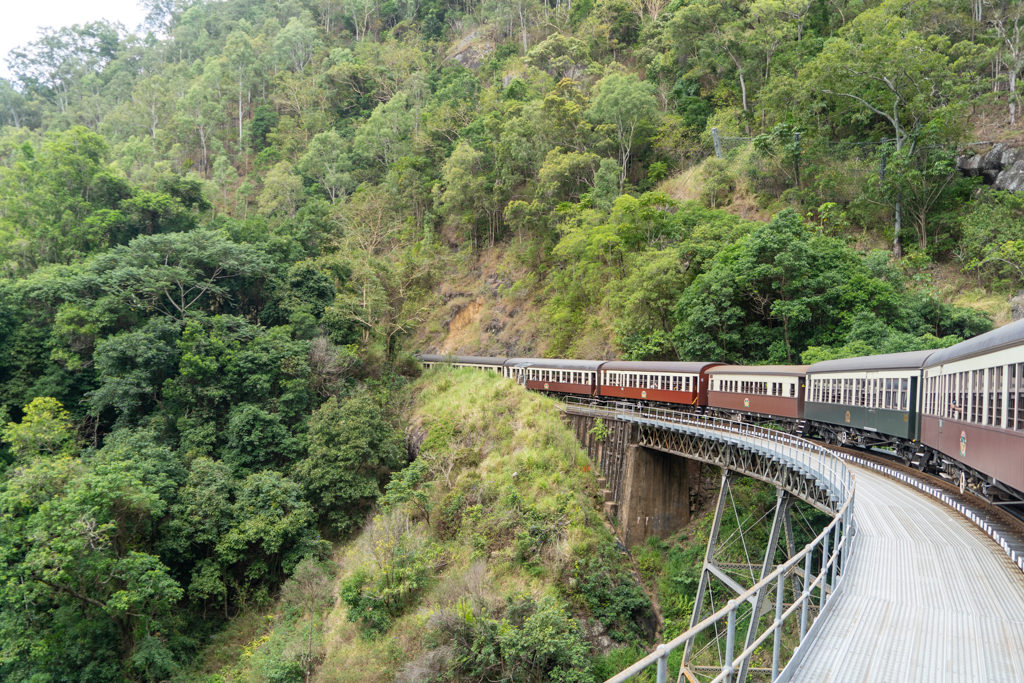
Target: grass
511	501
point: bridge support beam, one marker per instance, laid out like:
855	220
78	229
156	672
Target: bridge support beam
781	524
655	494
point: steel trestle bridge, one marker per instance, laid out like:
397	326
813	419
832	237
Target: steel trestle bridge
844	606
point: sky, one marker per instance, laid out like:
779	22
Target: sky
20	20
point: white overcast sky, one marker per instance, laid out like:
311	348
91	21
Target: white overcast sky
20	20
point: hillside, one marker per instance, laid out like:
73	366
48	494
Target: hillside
488	558
222	237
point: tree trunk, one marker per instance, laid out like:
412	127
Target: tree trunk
1013	97
239	116
522	26
897	245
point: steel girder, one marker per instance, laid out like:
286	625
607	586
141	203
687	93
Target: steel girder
738	458
713	568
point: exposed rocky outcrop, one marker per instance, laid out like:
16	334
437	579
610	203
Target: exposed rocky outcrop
471	50
1017	306
1002	166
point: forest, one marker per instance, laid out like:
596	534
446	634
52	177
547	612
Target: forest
224	234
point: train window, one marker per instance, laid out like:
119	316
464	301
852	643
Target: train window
995	396
1011	396
998	389
1020	396
980	397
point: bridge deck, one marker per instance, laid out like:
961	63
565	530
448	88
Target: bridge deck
928	597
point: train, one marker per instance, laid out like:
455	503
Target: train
956	412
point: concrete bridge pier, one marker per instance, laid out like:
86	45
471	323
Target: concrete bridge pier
656	494
647	492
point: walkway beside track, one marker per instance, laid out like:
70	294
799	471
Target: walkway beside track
927	597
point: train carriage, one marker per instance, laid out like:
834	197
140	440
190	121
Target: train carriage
758	390
869	400
973	408
558	375
492	363
656	381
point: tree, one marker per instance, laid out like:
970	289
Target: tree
466	191
311	588
352	449
386	135
880	69
282	191
773	293
922	180
132	367
296	43
176	273
79	583
327	162
240	55
623	102
54	63
709	29
45	430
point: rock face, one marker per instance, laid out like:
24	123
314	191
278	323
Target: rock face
471	50
1002	166
1017	306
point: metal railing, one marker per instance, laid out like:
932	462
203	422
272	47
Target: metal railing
831	548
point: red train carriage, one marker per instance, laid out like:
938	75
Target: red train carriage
761	390
973	404
656	381
558	375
